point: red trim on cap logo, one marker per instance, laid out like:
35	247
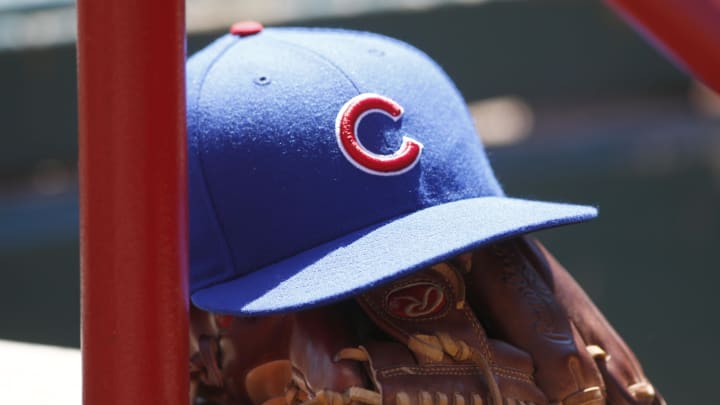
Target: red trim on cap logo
416	300
346	125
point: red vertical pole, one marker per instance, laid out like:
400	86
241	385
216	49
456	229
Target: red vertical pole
133	201
688	30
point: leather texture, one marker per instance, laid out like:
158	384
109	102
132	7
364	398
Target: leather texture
504	281
428	313
236	360
503	324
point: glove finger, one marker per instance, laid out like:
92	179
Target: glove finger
248	342
268	381
245	360
205	374
317	336
517	306
624	377
275	401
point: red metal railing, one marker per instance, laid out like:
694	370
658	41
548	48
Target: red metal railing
133	201
688	30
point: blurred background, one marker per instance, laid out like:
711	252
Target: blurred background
572	104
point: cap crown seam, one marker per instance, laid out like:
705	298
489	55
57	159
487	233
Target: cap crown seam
200	142
201	161
216	214
319	56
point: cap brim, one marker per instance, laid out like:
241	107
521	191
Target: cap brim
362	259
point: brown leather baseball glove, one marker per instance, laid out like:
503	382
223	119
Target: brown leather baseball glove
236	360
505	324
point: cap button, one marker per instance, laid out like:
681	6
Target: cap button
246	28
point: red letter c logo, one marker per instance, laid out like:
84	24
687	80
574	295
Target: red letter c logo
346	125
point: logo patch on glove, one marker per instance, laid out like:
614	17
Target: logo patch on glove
417	300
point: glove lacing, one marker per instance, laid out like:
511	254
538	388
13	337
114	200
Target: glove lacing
434	346
431	346
299	388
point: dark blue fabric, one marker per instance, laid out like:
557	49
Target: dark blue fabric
269	182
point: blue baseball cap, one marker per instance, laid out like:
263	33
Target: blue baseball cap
323	162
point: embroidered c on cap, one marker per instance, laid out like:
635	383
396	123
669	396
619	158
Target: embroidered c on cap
346	125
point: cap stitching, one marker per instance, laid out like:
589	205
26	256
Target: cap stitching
353	33
215	212
319	56
201	161
381	37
